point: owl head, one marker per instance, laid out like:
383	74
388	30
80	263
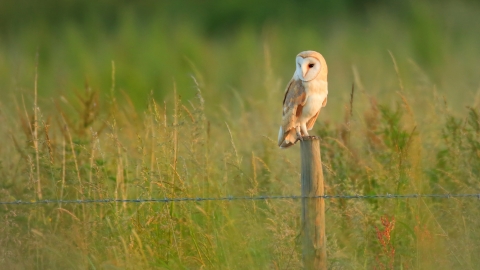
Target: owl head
310	65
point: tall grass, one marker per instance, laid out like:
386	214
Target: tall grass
93	149
154	110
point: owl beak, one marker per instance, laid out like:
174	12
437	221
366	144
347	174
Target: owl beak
304	70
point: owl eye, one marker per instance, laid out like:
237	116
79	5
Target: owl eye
310	65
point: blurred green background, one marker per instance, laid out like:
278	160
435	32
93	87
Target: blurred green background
232	45
414	65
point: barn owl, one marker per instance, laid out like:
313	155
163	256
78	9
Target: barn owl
305	95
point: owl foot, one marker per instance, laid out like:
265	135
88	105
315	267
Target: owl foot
299	134
302	138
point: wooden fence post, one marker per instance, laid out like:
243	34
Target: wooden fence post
313	209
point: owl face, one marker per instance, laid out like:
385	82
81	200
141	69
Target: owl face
308	68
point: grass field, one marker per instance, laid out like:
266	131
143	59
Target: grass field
159	106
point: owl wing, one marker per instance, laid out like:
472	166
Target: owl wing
293	102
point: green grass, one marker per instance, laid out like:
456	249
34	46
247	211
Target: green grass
103	130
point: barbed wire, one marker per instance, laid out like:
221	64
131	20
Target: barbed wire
238	198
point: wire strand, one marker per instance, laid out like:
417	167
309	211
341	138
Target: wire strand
240	198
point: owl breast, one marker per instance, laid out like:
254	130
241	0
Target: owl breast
312	106
316	94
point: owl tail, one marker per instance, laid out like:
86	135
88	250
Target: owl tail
286	139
